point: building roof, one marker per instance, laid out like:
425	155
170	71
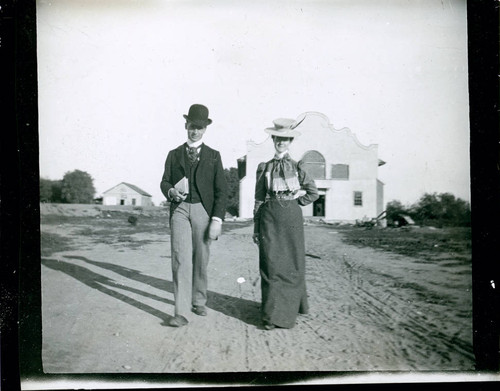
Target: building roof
133	187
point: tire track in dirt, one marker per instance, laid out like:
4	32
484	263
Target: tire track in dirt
393	307
368	311
408	315
330	320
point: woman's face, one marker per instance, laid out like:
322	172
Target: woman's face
281	144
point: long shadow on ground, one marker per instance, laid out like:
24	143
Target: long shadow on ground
245	310
103	284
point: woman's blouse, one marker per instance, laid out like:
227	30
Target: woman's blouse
279	178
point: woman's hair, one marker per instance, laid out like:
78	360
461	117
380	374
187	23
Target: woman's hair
274	137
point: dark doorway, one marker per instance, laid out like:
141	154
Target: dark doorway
319	207
122	202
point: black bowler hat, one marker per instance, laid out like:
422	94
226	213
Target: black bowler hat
198	115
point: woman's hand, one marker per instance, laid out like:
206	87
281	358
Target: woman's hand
255	238
299	193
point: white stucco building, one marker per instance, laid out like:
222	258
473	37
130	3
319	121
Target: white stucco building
126	194
345	171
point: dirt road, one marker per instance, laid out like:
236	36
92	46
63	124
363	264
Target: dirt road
106	304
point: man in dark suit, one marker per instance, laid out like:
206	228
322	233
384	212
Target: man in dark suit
194	183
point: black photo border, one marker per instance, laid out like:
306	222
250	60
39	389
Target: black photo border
20	294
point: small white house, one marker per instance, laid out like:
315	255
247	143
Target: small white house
344	170
126	194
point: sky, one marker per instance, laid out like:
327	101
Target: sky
116	77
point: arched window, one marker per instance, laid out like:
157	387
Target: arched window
314	163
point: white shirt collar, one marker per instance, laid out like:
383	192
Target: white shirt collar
195	144
280	155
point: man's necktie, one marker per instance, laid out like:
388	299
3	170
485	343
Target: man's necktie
192	154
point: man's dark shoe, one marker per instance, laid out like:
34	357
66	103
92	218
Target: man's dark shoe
178	321
200	310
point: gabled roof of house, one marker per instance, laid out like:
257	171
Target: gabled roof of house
133	187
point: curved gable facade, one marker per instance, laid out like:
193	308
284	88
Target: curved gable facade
345	171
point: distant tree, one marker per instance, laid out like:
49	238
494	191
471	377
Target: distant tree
394	209
233	184
427	208
77	188
464	218
454	211
442	210
50	190
56	187
45	190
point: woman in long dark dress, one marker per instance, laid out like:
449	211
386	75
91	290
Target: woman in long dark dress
282	186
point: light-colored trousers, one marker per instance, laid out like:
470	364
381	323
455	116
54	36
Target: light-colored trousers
190	253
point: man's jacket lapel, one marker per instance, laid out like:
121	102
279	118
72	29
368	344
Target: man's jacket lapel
182	159
201	165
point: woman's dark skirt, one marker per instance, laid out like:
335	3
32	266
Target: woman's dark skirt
282	262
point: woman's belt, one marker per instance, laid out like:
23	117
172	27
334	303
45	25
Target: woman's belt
282	196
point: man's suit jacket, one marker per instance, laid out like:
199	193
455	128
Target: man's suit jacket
209	178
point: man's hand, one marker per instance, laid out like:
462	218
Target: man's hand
214	229
255	238
176	195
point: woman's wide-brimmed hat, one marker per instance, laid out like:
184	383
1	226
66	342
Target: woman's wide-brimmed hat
198	115
284	127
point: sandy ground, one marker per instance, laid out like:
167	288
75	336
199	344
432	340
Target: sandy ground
105	308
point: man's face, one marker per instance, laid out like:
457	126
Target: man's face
195	132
